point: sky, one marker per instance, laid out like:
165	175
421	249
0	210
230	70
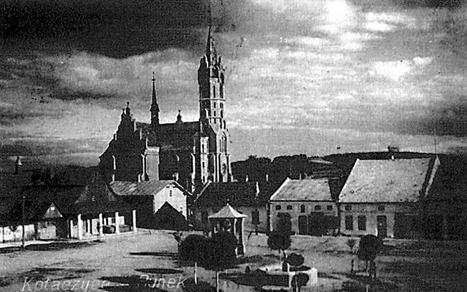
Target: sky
303	76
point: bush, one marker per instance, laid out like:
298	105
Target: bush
279	241
295	260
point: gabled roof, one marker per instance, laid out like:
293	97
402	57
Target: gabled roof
303	190
235	193
34	210
227	212
144	188
388	181
63	197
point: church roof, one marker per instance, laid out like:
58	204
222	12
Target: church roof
170	136
227	212
144	188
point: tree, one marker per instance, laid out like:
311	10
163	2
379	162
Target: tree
279	241
368	248
284	224
192	249
219	253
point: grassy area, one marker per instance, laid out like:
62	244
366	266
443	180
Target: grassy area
116	264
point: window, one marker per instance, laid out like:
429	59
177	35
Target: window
214	105
349	222
215	113
381	208
348	208
278	207
329	207
289	207
361	223
221	105
302	208
222	113
317	208
170	193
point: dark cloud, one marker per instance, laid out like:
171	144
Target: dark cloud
447	118
450	4
112	28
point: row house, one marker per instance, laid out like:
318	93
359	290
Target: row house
308	204
161	204
384	197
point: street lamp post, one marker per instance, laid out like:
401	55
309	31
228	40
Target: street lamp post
23	219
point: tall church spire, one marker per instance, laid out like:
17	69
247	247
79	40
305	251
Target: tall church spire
210	49
154	106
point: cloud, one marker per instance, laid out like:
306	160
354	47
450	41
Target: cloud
396	70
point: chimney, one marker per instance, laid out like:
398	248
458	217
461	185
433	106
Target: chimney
18	165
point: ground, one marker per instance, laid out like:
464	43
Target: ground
114	263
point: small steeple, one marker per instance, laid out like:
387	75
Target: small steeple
179	117
154	106
18	165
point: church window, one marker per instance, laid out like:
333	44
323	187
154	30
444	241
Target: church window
302	209
170	193
214	105
222	114
214	91
215	113
221	105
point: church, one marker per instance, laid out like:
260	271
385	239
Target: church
192	153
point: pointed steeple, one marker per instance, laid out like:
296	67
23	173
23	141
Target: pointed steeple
154	106
210	49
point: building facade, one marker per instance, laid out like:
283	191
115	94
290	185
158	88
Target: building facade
156	202
384	197
308	204
192	153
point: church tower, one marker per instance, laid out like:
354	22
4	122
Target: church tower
211	78
154	106
214	138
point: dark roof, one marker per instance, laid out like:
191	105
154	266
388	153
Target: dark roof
95	197
34	210
303	190
170	136
391	181
235	193
144	188
63	197
450	181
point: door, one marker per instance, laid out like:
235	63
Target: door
302	225
382	226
